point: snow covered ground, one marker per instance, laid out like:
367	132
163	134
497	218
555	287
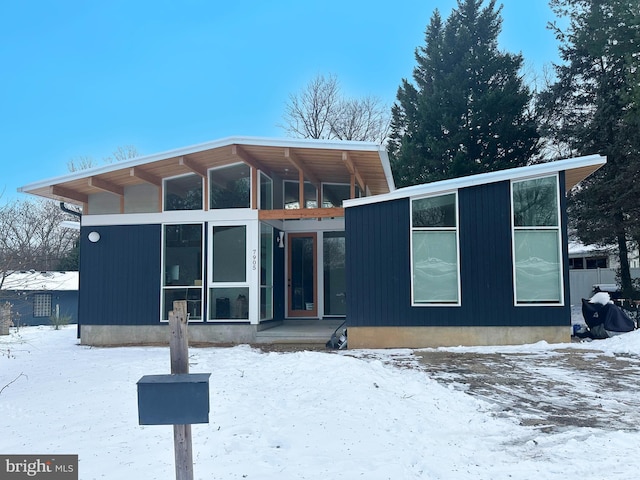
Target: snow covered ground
315	415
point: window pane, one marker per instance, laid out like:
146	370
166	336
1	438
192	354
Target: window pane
535	203
334	194
266	303
266	271
42	305
229	254
292	195
266	192
229	303
537	259
193	296
435	211
183	255
435	267
230	187
183	193
334	274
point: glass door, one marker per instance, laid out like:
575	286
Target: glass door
302	275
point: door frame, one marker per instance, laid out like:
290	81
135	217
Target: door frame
313	313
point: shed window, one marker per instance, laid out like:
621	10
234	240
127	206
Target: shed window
536	241
434	250
42	305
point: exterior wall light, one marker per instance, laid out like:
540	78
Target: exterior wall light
94	237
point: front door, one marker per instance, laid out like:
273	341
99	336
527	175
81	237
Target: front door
302	275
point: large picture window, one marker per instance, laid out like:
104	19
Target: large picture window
182	260
229	287
434	250
536	241
183	193
230	187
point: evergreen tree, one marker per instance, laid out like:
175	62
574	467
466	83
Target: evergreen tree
592	108
468	111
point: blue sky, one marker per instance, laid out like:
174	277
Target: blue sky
80	78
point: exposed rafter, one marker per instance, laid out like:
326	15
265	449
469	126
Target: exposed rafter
145	176
106	186
353	170
67	193
249	159
299	164
193	167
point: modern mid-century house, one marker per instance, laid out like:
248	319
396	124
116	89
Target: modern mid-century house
35	296
252	232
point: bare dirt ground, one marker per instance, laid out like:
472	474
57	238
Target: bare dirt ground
550	390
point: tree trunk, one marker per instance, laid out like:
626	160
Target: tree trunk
625	271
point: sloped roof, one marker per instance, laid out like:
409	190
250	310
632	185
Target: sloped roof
577	169
38	281
320	160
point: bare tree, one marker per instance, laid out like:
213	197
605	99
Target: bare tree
361	119
85	162
320	111
31	237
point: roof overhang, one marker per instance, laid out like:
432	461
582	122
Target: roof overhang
576	170
317	160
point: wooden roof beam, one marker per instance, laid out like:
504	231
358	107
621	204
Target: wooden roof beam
353	170
67	193
193	167
106	186
145	176
246	157
299	164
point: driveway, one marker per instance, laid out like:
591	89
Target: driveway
550	390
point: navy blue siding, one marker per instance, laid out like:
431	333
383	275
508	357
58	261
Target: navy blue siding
378	266
66	300
120	275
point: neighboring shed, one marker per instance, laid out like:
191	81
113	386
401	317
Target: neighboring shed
37	296
476	260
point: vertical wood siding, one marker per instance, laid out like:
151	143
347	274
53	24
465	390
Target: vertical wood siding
378	266
120	276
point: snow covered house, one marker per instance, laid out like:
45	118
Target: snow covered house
35	297
253	232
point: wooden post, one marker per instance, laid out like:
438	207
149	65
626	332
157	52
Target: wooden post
179	352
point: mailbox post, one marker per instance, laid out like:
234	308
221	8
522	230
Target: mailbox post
179	399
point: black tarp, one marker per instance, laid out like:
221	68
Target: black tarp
602	319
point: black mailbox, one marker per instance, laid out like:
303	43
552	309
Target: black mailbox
178	399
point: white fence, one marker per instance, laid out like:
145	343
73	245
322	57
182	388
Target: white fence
581	282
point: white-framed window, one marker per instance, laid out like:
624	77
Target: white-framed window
182	264
266	192
230	187
266	271
537	253
435	265
229	272
183	192
42	305
333	194
292	195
